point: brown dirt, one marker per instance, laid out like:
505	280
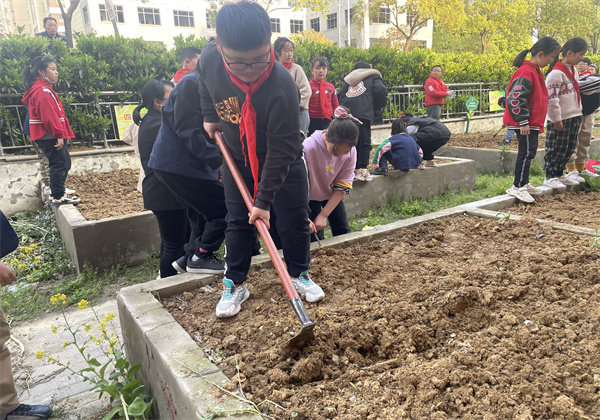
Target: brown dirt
456	318
486	141
575	208
107	194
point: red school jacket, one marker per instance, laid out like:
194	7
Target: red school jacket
435	91
46	113
314	105
527	98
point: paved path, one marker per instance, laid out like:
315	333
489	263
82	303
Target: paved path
40	383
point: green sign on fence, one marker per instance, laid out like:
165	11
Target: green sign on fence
471	104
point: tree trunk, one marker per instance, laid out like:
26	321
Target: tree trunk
68	29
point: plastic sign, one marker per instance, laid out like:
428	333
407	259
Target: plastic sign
471	104
494	96
110	10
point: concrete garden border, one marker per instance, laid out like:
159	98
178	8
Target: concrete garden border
130	239
498	160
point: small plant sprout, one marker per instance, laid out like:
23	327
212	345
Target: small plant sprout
503	217
116	377
595	241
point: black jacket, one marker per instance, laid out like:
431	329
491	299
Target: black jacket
276	102
364	98
429	128
156	195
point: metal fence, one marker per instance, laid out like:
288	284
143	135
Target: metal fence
95	122
411	98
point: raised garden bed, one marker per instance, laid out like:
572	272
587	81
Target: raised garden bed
458	317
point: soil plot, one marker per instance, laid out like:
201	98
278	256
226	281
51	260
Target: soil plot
486	140
457	318
107	194
575	208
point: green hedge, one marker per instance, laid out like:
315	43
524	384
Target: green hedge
122	64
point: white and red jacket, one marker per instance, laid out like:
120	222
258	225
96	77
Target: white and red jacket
46	113
435	91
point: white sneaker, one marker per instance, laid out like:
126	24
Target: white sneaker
231	300
520	193
69	191
568	180
363	175
307	288
533	190
554	183
574	175
588	173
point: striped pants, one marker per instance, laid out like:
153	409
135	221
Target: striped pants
560	146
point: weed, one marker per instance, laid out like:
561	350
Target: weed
503	158
503	217
595	241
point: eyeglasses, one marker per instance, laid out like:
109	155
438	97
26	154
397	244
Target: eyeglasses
257	65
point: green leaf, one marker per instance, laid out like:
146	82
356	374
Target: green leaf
122	364
94	362
133	370
137	407
116	410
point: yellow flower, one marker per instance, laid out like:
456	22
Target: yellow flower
65	344
53	328
83	304
88	326
109	316
110	350
40	354
58	298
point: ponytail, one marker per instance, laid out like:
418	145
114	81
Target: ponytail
546	45
518	61
573	44
153	89
343	129
31	71
398	126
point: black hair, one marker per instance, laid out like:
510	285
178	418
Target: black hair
47	18
279	44
153	89
437	65
586	60
546	45
39	63
406	117
343	131
362	65
320	62
189	53
398	126
573	44
243	26
502	101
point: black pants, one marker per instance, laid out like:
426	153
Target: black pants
527	149
430	144
363	148
318	124
291	209
59	163
338	221
206	198
173	228
434	111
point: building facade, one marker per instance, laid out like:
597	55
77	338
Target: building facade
25	14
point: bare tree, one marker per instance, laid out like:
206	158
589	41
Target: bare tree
67	18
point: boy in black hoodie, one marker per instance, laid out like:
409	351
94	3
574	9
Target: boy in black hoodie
254	101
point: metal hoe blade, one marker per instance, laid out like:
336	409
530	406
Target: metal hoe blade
306	334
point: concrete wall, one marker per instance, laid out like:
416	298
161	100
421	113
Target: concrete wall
20	175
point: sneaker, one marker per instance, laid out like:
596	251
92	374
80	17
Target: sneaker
533	190
363	175
568	180
380	171
574	175
429	163
504	143
554	183
180	264
307	288
588	173
44	193
231	300
25	411
208	263
65	199
520	193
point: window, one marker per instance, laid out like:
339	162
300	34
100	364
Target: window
86	15
315	24
346	15
148	16
383	16
211	19
332	21
296	26
183	18
118	11
275	25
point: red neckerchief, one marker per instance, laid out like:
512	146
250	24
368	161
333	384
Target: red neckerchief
323	99
288	65
179	74
570	74
248	117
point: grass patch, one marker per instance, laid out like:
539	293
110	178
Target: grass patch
44	268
